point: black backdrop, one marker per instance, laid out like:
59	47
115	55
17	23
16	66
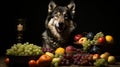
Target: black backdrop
91	16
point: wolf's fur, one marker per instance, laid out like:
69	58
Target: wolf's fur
59	25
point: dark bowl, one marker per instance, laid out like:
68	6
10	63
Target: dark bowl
21	59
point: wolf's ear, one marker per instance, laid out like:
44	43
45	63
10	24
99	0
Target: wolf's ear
51	6
72	6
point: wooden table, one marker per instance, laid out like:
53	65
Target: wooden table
2	64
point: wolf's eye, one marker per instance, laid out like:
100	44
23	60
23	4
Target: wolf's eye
66	16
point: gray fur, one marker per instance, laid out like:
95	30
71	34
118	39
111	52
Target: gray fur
53	37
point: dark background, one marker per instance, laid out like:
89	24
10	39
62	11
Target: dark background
91	16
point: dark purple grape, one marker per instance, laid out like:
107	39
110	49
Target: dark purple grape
44	49
51	50
67	63
78	50
75	55
47	50
64	56
79	55
77	58
78	63
81	60
75	62
64	60
62	63
68	56
84	62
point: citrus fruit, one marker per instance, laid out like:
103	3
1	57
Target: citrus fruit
60	50
32	63
44	61
109	39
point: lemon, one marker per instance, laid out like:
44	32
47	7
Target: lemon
60	50
109	39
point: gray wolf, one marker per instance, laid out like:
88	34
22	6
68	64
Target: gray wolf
59	25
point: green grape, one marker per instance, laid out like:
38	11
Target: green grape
56	64
95	39
91	42
25	49
100	63
41	52
27	43
86	45
37	53
21	54
99	34
30	53
14	47
26	54
8	51
18	45
30	49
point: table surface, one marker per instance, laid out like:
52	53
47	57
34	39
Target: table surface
2	64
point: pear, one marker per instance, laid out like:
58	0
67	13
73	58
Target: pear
104	56
50	54
54	60
111	59
107	53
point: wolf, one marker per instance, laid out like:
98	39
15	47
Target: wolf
59	25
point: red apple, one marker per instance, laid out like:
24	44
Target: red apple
7	60
82	40
101	40
96	56
77	37
70	49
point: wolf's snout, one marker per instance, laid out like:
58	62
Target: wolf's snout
61	24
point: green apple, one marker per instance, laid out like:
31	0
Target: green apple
50	54
111	59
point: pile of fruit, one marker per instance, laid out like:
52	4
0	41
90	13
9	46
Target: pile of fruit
88	39
72	56
69	55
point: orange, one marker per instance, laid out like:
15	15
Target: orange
109	39
32	63
60	50
44	60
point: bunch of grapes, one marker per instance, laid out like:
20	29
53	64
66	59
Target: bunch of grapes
25	49
47	50
101	63
95	39
66	60
82	59
86	45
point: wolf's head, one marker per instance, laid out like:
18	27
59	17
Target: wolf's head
60	19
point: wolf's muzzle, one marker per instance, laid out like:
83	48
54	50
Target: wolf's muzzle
60	27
